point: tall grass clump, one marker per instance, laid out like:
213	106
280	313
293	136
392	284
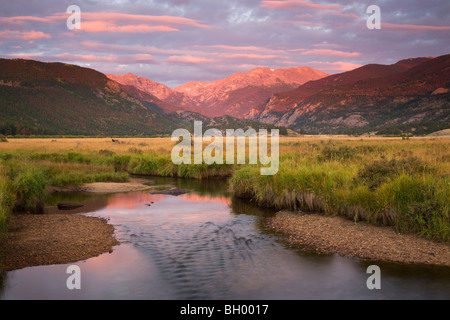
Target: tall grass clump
419	205
374	174
121	162
30	189
7	199
64	175
161	165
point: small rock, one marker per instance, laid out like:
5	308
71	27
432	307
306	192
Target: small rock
69	206
173	192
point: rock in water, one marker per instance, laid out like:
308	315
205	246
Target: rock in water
69	206
173	192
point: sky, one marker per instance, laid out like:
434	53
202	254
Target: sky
177	41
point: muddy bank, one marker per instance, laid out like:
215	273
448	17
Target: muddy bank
34	240
347	238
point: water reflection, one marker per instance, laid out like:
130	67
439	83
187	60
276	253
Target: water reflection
207	245
242	206
91	202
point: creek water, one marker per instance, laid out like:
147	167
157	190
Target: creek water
207	245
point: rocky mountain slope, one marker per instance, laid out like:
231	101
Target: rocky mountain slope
149	91
409	95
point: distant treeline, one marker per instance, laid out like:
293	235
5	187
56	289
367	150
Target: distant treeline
388	131
34	136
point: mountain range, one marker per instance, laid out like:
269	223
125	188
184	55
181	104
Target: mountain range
411	95
61	99
57	98
234	95
408	96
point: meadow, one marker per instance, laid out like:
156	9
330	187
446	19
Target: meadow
404	183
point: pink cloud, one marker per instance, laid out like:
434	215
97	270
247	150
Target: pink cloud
338	66
89	58
240	48
26	56
251	56
101	26
291	4
326	45
116	22
24	35
124	59
413	28
343	14
25	18
188	60
304	23
126	18
137	48
140	58
328	52
86	57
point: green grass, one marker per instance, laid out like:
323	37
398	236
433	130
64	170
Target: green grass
26	175
7	199
400	183
408	188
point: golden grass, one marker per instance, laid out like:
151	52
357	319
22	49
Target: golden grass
164	145
156	145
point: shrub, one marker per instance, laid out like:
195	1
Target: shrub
76	157
376	173
3	138
342	153
121	163
135	150
106	153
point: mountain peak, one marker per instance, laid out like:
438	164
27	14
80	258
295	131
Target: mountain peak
236	94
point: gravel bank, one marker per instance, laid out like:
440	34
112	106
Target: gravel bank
106	187
34	240
346	238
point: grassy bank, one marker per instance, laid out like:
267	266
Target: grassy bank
25	177
403	183
27	169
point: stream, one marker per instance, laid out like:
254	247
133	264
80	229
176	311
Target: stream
208	245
